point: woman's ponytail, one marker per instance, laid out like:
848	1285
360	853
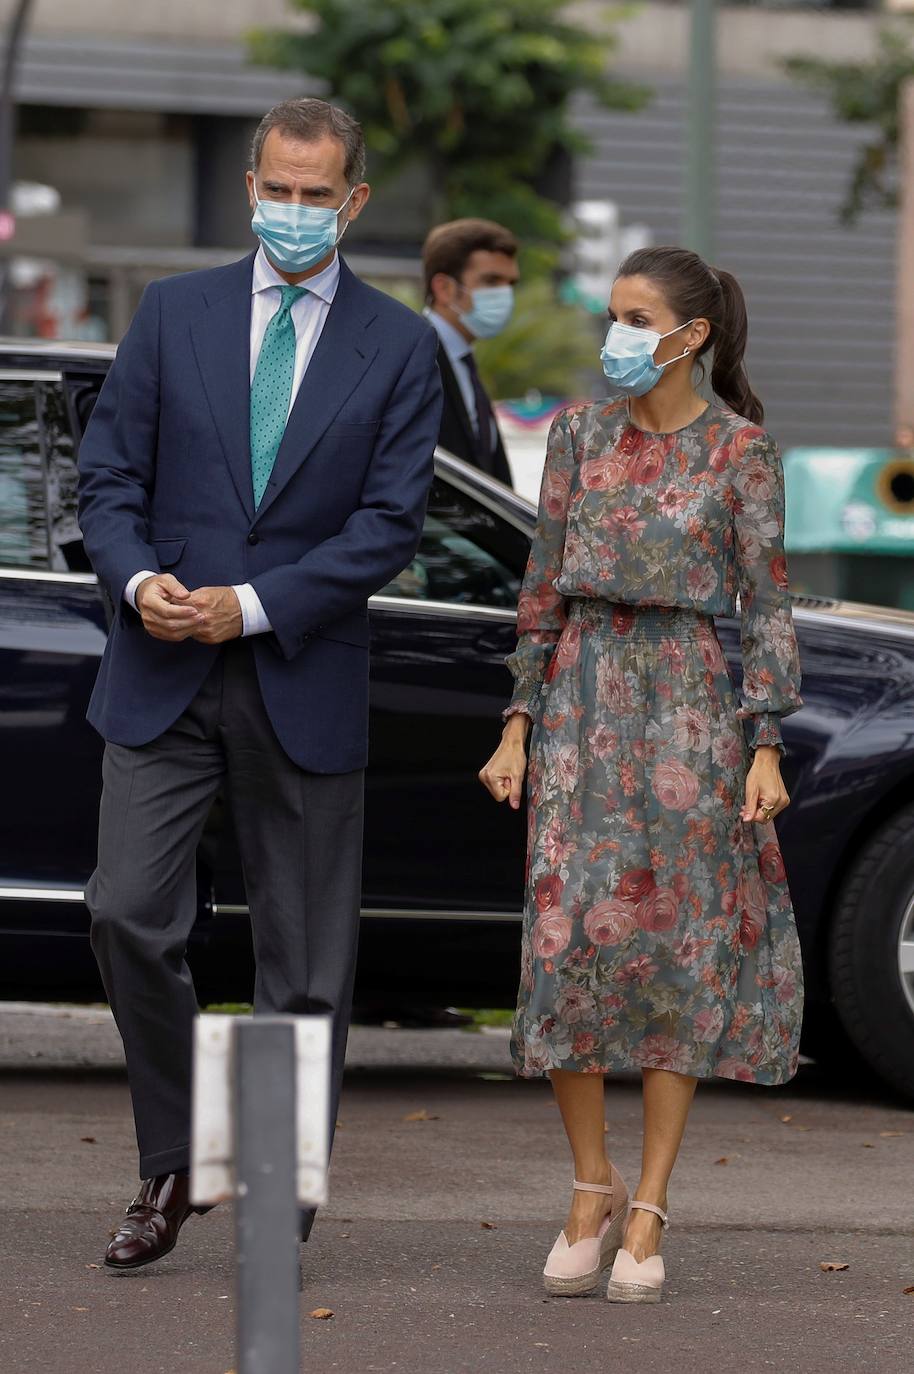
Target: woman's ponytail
728	373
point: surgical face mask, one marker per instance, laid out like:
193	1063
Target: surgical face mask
491	309
295	237
628	357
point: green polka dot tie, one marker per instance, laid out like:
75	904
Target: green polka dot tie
271	389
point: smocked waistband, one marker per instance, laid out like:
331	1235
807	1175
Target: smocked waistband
625	621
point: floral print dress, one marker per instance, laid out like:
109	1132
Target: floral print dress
658	928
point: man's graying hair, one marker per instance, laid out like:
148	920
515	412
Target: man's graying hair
308	120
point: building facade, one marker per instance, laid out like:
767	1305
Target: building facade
141	118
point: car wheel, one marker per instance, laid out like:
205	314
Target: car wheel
871	954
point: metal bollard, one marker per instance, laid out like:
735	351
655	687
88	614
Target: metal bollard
267	1226
261	1133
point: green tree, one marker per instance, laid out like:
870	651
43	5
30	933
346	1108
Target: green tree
867	92
477	90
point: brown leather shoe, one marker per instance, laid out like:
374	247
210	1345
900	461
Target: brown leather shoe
154	1218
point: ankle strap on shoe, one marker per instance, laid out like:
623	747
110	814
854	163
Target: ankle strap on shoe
593	1187
649	1207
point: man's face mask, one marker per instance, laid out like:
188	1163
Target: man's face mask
295	237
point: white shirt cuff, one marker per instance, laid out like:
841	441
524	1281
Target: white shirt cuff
130	590
254	619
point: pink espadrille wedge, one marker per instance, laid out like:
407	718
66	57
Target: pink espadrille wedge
632	1280
573	1270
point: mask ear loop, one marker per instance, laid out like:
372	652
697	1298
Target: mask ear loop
669	362
348	222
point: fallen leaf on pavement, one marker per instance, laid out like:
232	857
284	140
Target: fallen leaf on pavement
488	1226
321	1313
421	1115
831	1266
723	1160
787	1118
868	1145
93	1266
87	1139
910	1289
79	1309
887	1135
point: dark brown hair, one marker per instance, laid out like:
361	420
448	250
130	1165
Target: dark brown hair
308	120
449	247
693	290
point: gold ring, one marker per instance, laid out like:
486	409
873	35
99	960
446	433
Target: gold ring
766	811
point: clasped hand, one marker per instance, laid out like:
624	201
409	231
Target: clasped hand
169	611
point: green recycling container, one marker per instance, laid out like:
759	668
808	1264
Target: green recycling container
849	529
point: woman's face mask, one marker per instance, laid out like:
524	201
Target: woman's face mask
628	357
295	237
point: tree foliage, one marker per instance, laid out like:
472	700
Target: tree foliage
478	90
868	92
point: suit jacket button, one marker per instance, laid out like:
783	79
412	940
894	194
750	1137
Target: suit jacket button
253	538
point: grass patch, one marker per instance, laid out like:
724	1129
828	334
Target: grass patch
488	1016
230	1008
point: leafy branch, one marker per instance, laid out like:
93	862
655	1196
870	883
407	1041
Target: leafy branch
867	92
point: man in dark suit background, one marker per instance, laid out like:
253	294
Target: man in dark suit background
471	269
256	467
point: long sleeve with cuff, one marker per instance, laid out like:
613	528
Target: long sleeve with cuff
771	661
541	609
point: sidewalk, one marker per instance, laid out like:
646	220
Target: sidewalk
430	1250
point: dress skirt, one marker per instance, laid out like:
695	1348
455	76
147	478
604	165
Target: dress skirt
658	929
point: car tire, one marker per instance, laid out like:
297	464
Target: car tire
876	901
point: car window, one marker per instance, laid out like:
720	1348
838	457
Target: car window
23	532
468	555
65	543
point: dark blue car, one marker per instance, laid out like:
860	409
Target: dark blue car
443	865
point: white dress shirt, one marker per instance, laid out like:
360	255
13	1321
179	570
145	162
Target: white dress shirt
309	315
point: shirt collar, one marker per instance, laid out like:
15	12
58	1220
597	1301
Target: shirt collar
455	345
323	285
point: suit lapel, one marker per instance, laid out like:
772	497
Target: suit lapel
222	344
338	363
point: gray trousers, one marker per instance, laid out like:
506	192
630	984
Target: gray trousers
300	839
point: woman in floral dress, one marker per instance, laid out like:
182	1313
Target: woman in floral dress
659	933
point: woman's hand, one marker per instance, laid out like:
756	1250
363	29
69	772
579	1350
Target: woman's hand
503	775
766	795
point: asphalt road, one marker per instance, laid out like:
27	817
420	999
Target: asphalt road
429	1254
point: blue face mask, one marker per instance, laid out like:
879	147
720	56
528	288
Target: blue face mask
295	237
492	308
628	357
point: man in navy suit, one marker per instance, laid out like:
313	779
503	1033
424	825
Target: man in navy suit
257	466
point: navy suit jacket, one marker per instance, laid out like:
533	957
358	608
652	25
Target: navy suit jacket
165	484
